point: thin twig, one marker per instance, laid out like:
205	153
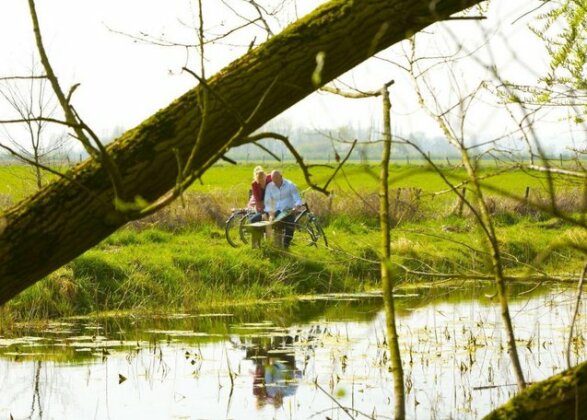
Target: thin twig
203	82
575	314
342	162
69	114
38	119
50	170
480	276
480	388
6	78
346	410
299	159
266	150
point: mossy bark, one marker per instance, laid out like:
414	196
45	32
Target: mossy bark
71	215
563	396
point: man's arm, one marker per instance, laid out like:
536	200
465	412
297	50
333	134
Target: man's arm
295	195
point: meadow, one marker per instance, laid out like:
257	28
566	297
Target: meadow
178	259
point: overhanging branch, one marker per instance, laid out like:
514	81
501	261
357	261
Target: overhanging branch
42	233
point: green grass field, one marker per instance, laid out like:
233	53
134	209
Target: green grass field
17	181
234	182
179	259
365	178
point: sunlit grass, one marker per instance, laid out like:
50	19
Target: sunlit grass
196	268
179	259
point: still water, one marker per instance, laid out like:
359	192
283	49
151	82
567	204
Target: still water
318	358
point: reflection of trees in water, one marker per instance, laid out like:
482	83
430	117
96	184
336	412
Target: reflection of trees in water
36	394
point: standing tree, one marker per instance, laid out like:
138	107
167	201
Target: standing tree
387	280
30	98
386	272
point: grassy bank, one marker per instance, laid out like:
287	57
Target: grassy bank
179	259
196	269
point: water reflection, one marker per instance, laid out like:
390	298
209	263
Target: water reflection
324	357
275	374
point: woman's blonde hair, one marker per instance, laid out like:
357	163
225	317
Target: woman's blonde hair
256	171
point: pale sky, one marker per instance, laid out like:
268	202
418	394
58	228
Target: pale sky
123	82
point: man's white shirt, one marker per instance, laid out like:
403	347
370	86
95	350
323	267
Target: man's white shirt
281	198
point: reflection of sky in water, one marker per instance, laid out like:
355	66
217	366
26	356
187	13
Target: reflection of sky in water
454	362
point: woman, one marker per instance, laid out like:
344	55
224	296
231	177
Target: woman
260	181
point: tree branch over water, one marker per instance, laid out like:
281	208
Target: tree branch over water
61	221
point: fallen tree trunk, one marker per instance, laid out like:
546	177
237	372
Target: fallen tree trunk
71	215
563	396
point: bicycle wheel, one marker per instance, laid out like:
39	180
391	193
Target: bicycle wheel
231	229
318	231
306	233
243	232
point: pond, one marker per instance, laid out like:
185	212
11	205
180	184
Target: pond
322	357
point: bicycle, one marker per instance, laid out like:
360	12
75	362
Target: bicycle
306	224
234	227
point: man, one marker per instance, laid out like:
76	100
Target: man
281	195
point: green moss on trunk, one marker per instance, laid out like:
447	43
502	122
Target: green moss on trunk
563	396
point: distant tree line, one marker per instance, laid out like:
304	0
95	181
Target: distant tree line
327	144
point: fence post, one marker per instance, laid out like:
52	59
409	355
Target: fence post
396	205
526	195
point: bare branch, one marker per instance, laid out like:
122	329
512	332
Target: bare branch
356	94
523	15
299	159
458	276
190	175
39	119
229	160
69	115
161	42
50	170
575	314
430	20
260	11
202	81
269	152
105	158
550	170
71	91
342	162
8	78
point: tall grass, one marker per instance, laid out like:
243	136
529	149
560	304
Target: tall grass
152	268
179	259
